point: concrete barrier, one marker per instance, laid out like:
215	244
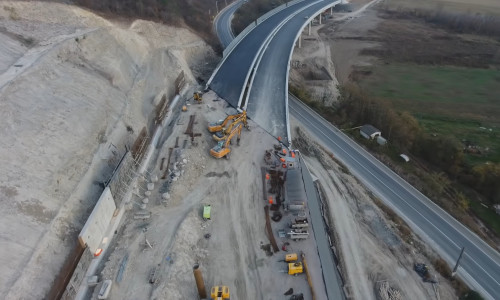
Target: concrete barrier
287	113
95	228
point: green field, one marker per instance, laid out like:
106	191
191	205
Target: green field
487	215
459	102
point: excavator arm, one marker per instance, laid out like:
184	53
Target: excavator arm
224	132
219	125
222	148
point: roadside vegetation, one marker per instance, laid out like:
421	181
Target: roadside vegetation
434	96
251	11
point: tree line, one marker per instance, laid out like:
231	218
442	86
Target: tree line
403	131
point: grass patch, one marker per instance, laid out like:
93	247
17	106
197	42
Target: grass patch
456	102
487	215
430	84
485	137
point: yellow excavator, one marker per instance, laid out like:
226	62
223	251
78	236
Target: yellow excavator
224	132
222	148
220	293
198	96
218	126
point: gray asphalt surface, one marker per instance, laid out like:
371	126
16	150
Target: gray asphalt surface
480	265
231	77
223	23
331	276
267	102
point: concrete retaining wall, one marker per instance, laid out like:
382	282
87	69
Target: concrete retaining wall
95	228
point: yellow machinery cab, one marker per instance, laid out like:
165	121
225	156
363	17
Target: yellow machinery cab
291	257
220	293
295	268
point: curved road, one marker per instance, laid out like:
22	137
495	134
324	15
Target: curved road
231	76
222	23
268	101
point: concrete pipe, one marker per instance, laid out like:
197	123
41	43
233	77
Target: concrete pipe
200	284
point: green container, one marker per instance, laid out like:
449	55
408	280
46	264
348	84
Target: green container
206	212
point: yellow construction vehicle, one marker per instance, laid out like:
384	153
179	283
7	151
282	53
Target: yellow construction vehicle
222	148
198	96
219	125
295	268
224	132
220	293
291	257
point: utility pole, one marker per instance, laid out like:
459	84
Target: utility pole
458	262
217	6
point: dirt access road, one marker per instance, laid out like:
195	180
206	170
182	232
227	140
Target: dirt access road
376	255
232	255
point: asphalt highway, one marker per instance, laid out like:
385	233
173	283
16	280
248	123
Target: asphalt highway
231	77
480	265
268	101
222	23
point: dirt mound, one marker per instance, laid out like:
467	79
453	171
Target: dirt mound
76	90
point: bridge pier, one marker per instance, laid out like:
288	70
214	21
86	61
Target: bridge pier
309	28
319	16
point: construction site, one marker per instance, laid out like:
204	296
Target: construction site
175	194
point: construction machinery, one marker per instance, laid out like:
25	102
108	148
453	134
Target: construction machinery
295	268
220	293
299	223
224	132
219	125
298	234
291	257
198	96
222	148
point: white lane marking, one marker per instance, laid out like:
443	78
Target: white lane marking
493	255
262	49
377	179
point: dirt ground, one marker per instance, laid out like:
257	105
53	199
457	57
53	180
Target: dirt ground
75	89
375	257
330	53
232	255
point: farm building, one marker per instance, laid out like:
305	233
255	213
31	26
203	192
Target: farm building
369	132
